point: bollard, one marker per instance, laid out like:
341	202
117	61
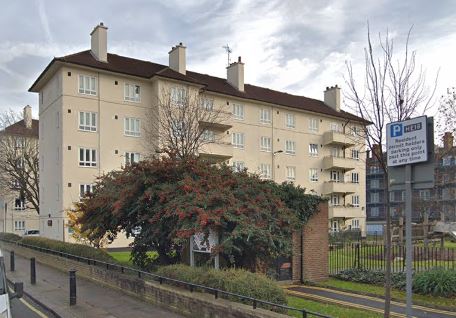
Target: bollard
12	264
32	271
72	273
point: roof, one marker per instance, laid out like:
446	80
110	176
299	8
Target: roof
147	70
19	129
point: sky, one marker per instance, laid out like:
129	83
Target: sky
299	47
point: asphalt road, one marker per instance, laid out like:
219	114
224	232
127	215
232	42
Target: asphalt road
27	308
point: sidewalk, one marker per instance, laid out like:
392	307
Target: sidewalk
93	301
373	304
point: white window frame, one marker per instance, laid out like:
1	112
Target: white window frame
336	127
132	93
336	176
291	173
208	135
207	104
355	177
425	195
21	206
265	116
238	166
313	150
90	123
19	225
335	200
266	170
355	154
132	157
290	147
334	226
92	89
238	111
374	197
290	120
178	96
355	223
238	140
313	175
128	121
313	125
265	144
85	188
88	155
355	200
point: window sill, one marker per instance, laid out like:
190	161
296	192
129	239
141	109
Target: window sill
135	136
89	131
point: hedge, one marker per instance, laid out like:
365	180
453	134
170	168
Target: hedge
237	281
10	237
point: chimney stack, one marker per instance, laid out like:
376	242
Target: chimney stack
332	97
28	117
448	140
99	42
235	74
177	60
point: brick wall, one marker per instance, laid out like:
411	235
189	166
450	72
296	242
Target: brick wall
179	300
310	260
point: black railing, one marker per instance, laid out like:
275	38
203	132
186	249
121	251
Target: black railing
371	256
162	279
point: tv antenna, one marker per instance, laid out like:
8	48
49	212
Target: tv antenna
228	51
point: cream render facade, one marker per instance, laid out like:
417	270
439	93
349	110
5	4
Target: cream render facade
72	155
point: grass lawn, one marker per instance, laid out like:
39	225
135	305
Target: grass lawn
396	294
124	257
327	309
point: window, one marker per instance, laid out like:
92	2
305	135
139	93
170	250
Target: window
355	224
88	121
335	226
355	131
178	95
355	200
335	176
19	225
20	142
291	121
131	157
425	195
355	154
87	157
265	116
355	177
374	211
84	189
238	166
238	140
19	204
132	93
290	147
335	199
313	124
208	135
374	169
375	183
392	196
207	104
132	127
375	197
265	170
265	144
87	85
336	152
313	175
446	161
335	127
291	173
313	150
238	111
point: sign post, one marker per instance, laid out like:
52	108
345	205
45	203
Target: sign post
201	243
407	145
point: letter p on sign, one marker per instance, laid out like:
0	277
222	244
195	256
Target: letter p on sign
396	130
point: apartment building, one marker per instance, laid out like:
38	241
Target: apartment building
94	107
16	214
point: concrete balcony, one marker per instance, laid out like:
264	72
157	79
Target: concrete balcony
217	151
338	139
217	126
344	212
330	162
340	187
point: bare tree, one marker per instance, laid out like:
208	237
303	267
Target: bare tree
19	162
184	122
447	112
392	89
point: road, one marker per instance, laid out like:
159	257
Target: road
26	308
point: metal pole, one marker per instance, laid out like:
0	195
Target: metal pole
12	265
72	273
32	271
408	237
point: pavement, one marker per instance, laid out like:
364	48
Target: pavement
369	303
93	300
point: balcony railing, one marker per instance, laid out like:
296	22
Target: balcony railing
344	212
218	151
340	187
338	138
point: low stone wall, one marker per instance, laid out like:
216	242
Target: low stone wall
179	300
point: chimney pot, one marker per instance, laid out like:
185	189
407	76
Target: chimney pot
239	59
99	42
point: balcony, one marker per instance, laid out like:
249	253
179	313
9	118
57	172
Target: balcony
214	126
344	212
330	162
339	187
217	151
338	139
